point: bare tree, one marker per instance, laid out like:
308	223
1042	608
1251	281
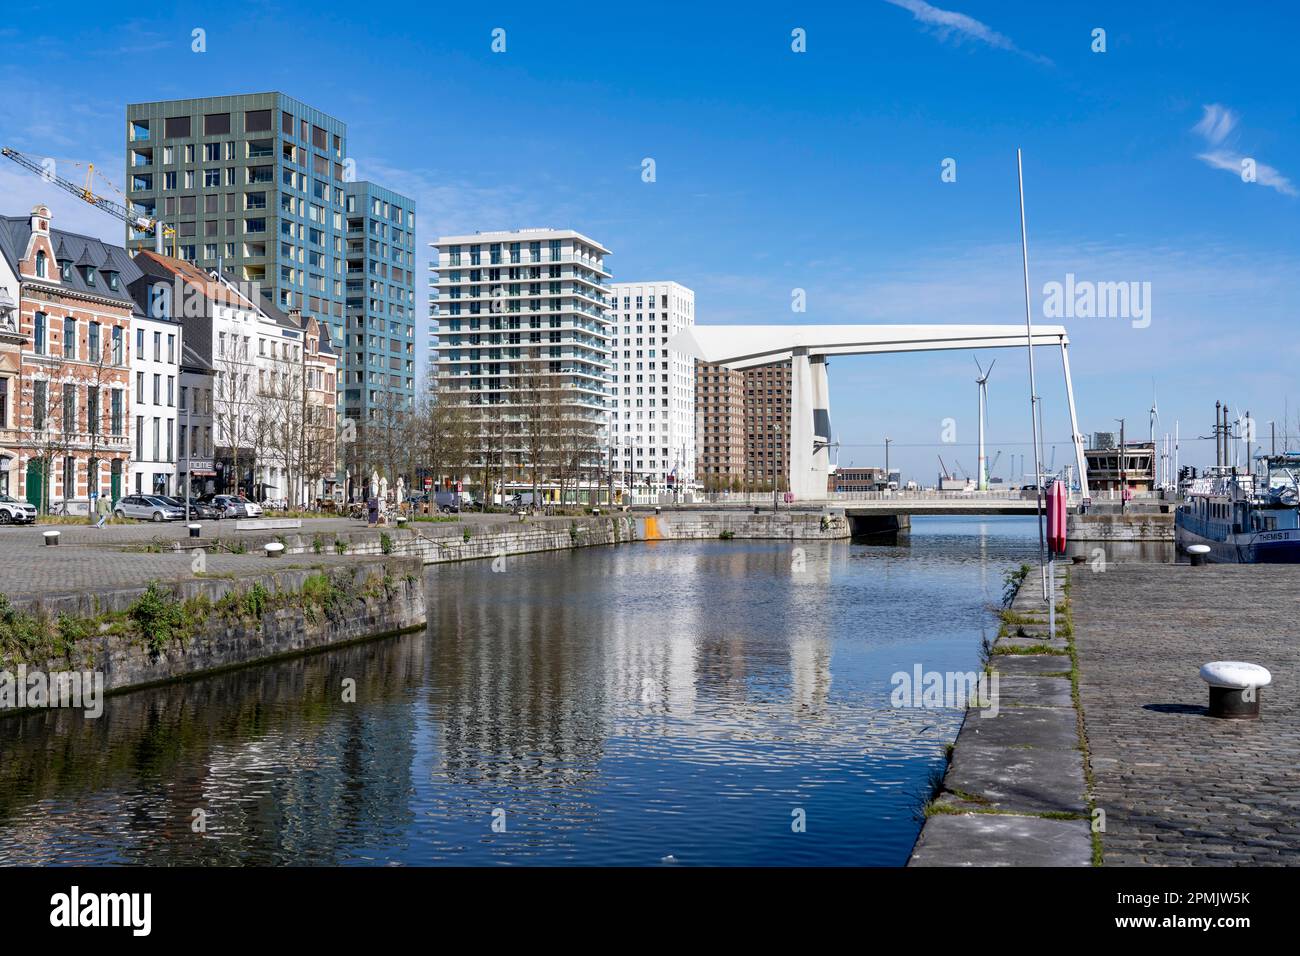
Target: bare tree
235	405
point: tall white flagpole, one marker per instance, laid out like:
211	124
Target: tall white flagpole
1033	391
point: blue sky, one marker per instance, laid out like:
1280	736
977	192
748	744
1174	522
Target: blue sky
820	170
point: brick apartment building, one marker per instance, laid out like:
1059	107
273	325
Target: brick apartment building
64	364
719	427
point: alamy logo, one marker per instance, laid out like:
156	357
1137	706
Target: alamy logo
949	689
81	690
103	909
1084	299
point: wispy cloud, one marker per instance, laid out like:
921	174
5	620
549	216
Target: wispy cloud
950	23
1216	128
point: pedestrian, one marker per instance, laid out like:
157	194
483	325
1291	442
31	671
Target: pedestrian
102	508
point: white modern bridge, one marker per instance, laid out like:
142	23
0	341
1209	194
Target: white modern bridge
807	347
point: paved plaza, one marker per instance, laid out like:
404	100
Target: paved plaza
1177	786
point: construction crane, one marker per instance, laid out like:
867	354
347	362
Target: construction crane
87	195
994	463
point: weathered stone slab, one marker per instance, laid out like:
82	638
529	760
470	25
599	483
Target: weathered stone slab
990	839
1019	779
1053	728
1030	665
1034	692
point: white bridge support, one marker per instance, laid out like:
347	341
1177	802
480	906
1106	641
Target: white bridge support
807	347
810	429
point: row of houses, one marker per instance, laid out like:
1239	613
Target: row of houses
145	374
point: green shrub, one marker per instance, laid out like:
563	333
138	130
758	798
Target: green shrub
21	634
256	600
1011	581
317	544
466	536
385	542
320	593
727	535
340	546
159	616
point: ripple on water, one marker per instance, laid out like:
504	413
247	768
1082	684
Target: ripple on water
684	703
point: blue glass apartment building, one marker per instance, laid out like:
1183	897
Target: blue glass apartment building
380	305
257	184
253	183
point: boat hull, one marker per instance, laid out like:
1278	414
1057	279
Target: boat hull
1261	547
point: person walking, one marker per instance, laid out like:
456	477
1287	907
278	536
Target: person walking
102	508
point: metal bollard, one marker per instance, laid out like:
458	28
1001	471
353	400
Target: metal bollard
51	538
1235	688
1197	553
194	529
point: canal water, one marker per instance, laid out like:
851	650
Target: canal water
670	703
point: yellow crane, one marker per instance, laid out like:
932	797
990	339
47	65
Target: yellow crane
86	194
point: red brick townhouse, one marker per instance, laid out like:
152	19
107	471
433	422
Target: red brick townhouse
65	432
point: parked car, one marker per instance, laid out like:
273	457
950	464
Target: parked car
147	508
450	502
233	506
13	511
199	511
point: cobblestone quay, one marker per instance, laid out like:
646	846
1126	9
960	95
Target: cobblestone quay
1179	787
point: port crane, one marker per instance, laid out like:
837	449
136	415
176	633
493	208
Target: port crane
86	194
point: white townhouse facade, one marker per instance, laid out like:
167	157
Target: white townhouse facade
155	396
652	405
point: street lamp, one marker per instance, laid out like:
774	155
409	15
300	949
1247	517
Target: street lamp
887	441
1123	476
773	428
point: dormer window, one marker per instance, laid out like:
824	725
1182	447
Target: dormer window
89	273
111	277
41	264
65	270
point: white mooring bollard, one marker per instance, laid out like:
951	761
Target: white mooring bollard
274	549
1198	553
51	538
1234	688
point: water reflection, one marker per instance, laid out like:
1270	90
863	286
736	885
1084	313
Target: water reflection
613	705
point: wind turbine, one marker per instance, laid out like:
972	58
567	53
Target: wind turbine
982	474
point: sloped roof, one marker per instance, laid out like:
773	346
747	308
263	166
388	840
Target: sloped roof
16	231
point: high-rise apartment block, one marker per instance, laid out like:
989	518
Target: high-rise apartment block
523	325
720	427
380	345
767	425
652	411
260	186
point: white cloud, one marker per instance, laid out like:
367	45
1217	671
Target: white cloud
1216	126
1216	123
948	23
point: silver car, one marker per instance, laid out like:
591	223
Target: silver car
147	508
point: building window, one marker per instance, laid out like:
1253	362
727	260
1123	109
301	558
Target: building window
92	409
38	405
41	260
92	342
38	337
